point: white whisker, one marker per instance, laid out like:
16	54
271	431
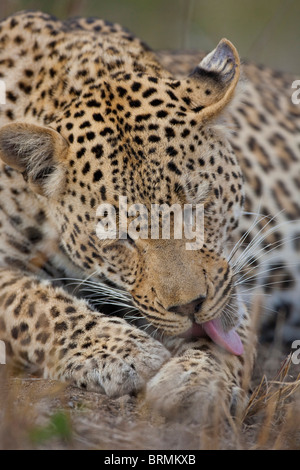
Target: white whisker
238	243
264	285
258	238
263	251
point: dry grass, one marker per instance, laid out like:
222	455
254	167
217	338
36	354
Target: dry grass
40	414
274	412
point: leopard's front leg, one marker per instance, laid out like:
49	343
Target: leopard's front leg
45	328
202	379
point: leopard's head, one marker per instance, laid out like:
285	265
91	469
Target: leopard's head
152	140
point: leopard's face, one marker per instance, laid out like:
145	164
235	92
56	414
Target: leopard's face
152	140
152	153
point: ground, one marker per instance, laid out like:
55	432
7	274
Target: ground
43	414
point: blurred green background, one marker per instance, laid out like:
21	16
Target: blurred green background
265	31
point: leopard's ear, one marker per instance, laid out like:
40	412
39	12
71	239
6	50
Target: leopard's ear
38	153
212	83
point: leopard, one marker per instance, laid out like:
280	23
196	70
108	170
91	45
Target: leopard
91	114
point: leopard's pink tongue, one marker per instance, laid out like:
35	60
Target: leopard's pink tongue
228	340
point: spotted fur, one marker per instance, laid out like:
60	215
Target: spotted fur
91	114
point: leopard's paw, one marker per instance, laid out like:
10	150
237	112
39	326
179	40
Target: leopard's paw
190	387
116	364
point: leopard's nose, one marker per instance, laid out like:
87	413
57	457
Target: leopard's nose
189	309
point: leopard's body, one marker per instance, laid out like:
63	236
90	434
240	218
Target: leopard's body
91	115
